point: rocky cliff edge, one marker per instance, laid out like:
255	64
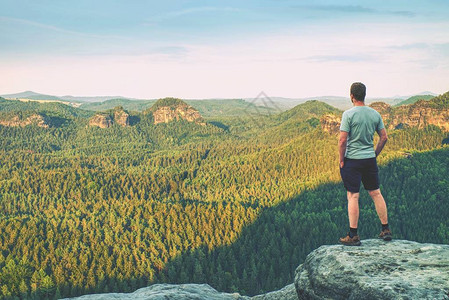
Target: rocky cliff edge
376	270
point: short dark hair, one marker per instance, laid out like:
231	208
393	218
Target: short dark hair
358	90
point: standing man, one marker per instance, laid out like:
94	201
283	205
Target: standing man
358	161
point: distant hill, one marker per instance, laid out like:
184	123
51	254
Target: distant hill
37	96
414	99
288	103
134	105
31	95
309	109
207	107
212	107
229	107
302	118
94	98
441	101
51	109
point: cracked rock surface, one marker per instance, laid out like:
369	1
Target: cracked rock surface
375	270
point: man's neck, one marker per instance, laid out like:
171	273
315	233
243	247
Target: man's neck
359	103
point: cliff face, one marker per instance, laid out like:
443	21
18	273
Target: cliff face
169	109
419	114
121	117
101	120
16	121
330	123
106	120
375	270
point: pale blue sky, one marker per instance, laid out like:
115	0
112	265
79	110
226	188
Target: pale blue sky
202	49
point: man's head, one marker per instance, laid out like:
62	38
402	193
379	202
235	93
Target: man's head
358	91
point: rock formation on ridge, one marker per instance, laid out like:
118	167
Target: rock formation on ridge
419	114
169	109
17	121
107	119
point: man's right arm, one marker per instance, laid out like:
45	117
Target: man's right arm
383	138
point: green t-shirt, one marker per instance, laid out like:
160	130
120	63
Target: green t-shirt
361	122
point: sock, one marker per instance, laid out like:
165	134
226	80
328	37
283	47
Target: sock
385	227
352	232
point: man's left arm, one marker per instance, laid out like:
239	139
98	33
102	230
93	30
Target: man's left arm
342	146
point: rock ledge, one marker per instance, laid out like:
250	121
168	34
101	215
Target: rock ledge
376	270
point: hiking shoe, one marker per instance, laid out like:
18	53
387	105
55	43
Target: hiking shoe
386	235
350	241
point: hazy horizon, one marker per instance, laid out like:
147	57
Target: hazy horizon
263	95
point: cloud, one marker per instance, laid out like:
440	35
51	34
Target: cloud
52	28
191	11
340	58
355	9
440	48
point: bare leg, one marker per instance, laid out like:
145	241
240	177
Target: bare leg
353	209
381	207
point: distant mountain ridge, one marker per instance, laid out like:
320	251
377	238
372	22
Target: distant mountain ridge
31	95
269	102
414	99
38	96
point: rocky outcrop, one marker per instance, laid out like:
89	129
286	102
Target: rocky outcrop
419	114
375	270
286	293
107	119
121	117
16	121
190	291
330	123
169	291
169	109
101	120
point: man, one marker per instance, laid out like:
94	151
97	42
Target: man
358	161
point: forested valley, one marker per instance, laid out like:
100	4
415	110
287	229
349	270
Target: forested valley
237	203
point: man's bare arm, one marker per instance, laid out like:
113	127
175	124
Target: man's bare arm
383	138
342	147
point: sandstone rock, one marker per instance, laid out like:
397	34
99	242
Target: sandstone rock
101	120
175	111
419	114
15	121
121	117
286	293
169	291
381	107
375	270
330	123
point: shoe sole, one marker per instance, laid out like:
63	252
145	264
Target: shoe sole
386	238
351	244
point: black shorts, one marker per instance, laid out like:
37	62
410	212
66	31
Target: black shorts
356	170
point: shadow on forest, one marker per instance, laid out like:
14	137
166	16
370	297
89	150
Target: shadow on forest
266	253
133	120
220	125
